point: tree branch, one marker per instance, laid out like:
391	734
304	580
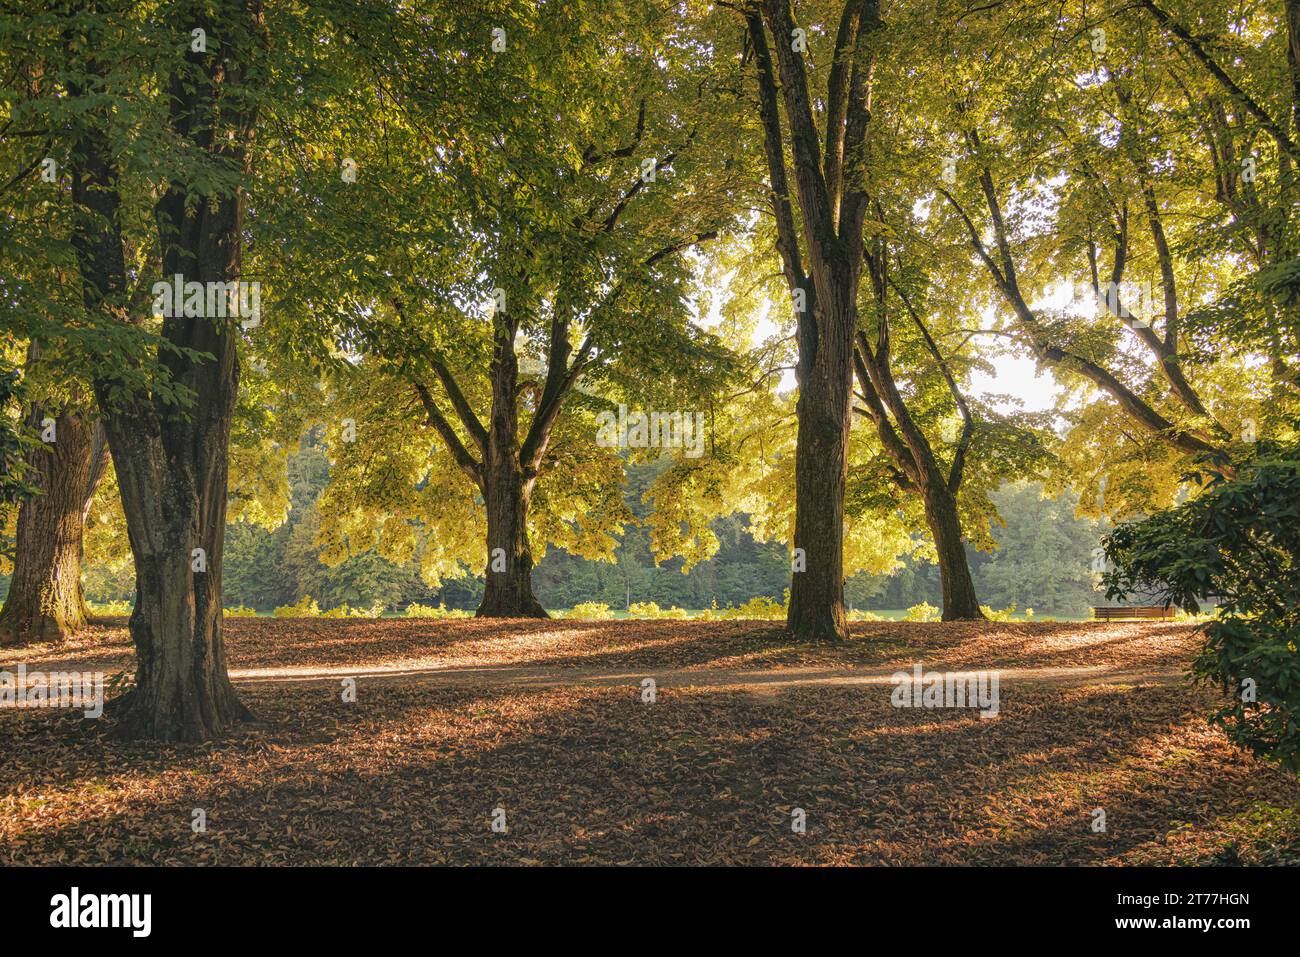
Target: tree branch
1244	98
467	463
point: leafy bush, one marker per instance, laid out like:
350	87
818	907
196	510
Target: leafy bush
760	607
1237	543
857	614
922	612
110	608
589	611
307	608
414	610
344	611
1006	614
240	612
650	609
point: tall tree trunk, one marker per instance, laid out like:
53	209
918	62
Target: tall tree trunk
508	578
959	601
45	602
816	611
833	206
171	462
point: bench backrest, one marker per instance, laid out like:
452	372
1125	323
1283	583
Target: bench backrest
1114	612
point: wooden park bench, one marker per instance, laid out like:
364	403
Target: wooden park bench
1123	612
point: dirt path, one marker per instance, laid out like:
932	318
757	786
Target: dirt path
768	680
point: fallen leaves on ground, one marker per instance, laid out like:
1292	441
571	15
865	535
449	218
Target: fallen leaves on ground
411	774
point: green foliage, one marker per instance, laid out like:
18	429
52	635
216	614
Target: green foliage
651	611
589	611
12	465
1237	543
1043	555
110	609
415	610
1006	614
857	614
760	607
922	612
369	283
306	608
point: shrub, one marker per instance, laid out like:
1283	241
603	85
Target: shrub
414	610
239	612
307	608
1006	614
110	608
858	614
650	609
589	611
922	612
1239	543
344	611
760	607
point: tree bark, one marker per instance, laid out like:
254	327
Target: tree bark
824	414
816	611
45	601
508	586
955	582
508	581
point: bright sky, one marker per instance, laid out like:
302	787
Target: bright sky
1014	375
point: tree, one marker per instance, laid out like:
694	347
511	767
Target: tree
832	204
1044	557
12	484
68	454
915	466
168	433
534	267
1100	163
45	600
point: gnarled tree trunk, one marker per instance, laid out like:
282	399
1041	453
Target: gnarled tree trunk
175	512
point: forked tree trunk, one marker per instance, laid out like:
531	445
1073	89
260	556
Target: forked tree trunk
832	206
171	462
508	579
918	469
45	601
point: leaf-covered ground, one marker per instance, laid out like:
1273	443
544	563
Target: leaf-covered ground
546	720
